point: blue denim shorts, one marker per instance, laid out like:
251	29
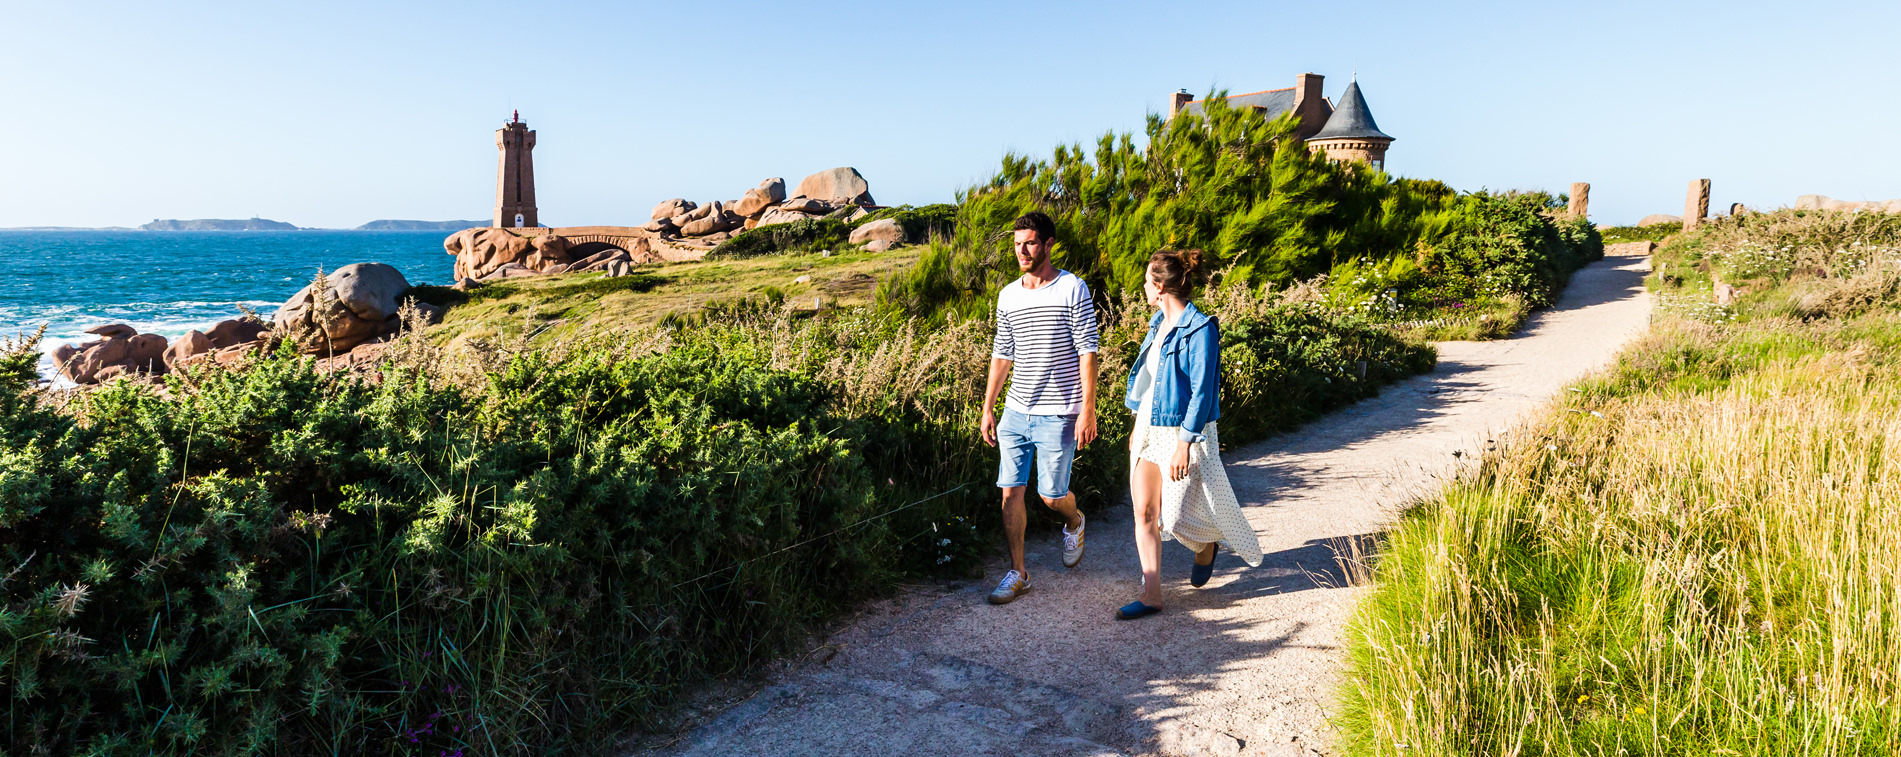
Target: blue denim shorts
1051	437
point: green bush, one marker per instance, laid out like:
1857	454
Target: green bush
1510	244
807	234
1242	188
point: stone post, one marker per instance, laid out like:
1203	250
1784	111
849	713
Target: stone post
1580	199
1696	206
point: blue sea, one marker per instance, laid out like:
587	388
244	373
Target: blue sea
170	282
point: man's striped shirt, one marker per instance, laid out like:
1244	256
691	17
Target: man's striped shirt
1045	331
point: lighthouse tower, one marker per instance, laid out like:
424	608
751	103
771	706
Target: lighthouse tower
515	176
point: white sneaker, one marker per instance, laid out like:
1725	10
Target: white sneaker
1014	585
1073	543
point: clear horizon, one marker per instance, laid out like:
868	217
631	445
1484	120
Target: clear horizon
335	116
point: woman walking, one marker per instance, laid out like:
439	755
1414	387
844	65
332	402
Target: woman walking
1176	481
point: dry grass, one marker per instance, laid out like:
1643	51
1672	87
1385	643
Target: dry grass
1699	552
547	309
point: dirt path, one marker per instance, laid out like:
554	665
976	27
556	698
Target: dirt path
1248	664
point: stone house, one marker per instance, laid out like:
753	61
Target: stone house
1345	131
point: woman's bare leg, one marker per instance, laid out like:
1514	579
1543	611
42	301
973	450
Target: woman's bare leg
1145	492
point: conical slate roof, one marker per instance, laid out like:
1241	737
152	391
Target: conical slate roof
1352	120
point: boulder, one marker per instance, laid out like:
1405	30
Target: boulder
777	216
593	262
882	230
880	245
839	186
114	331
769	192
806	205
696	214
712	223
113	356
146	353
671	208
753	203
855	214
82	365
508	271
1652	220
359	302
234	332
478	252
549	251
191	345
661	226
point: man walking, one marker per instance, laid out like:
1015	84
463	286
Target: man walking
1046	345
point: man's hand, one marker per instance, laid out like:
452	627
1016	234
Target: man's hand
1086	427
987	428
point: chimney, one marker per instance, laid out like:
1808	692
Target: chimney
1177	100
1309	105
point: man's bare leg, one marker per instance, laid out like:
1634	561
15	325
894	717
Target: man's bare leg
1014	521
1064	506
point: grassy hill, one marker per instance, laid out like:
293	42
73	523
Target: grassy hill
544	309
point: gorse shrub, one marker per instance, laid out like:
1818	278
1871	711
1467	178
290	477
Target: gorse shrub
278	559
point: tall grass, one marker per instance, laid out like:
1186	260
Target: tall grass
1697	552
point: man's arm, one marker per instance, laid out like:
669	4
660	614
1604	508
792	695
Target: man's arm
1086	425
999	370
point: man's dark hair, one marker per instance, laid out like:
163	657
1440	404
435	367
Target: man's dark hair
1038	221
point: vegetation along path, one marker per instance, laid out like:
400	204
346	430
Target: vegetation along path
1249	664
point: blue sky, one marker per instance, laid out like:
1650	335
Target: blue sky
335	113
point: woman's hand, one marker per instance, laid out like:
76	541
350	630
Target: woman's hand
1178	467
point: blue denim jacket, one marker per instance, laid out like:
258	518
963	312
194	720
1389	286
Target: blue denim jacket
1189	387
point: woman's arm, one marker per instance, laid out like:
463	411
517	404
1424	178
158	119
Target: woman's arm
1204	381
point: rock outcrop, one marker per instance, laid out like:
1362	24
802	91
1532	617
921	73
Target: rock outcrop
195	345
354	304
119	351
1824	202
1657	218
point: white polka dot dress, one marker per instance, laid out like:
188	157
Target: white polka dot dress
1201	508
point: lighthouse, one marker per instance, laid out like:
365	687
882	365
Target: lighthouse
515	176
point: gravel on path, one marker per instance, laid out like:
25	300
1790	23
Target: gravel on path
1249	664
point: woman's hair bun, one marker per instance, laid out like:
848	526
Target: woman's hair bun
1178	272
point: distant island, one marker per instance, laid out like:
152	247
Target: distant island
398	225
217	224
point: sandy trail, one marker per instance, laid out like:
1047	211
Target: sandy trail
1248	664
